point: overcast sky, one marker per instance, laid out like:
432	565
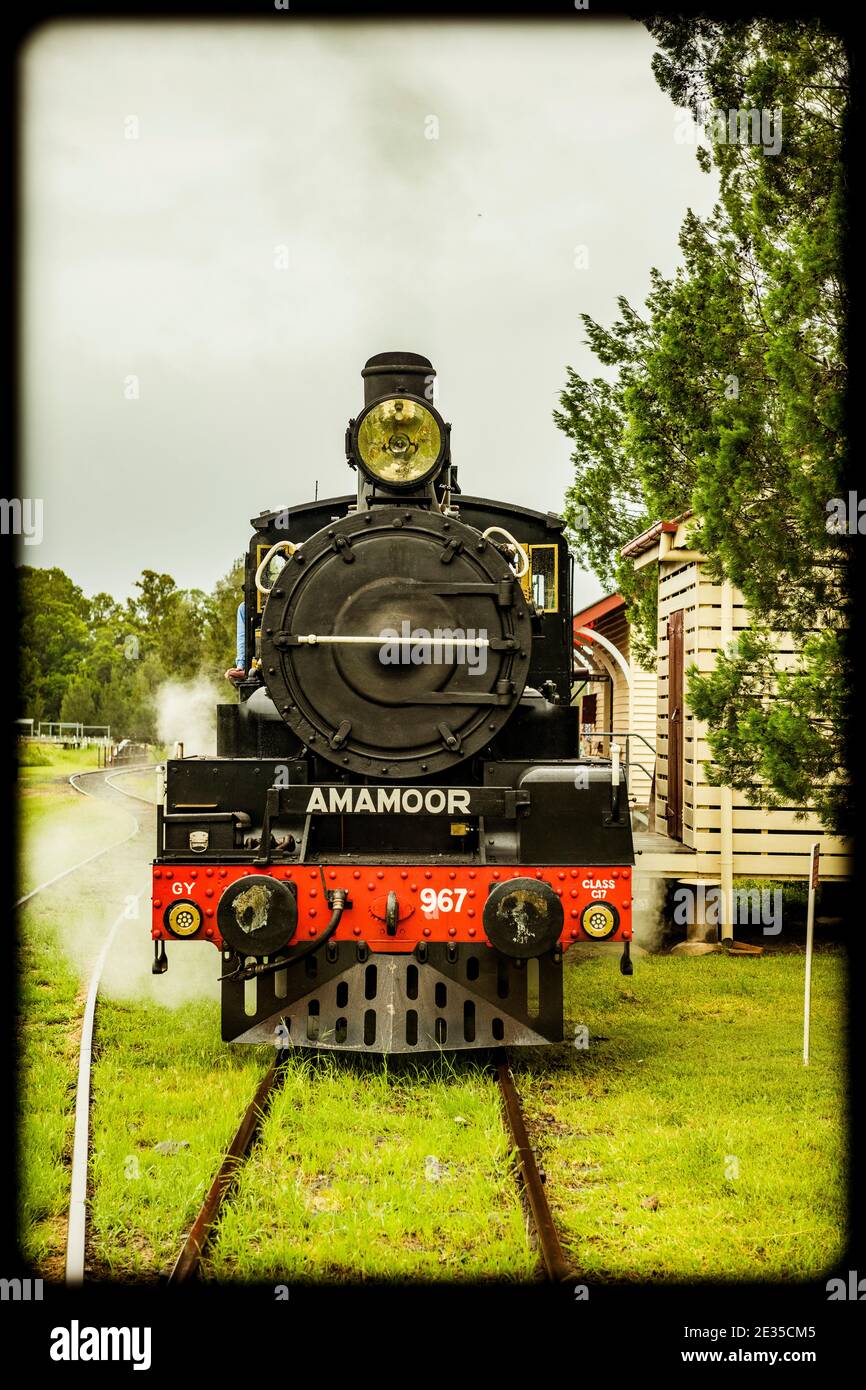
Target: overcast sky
281	216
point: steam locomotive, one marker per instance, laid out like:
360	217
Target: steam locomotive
397	839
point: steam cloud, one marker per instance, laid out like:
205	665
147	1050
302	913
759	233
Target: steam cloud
186	713
648	922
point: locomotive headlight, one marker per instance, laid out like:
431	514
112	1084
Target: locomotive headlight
399	442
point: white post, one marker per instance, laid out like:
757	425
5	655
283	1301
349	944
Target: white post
614	764
726	795
614	779
810	932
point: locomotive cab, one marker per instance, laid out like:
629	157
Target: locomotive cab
397	839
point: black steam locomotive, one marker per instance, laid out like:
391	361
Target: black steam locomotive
397	839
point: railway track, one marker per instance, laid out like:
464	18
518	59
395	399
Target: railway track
111	781
188	1262
91	858
76	1230
556	1267
107	780
77	1226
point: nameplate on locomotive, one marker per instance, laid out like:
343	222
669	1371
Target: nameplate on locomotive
339	800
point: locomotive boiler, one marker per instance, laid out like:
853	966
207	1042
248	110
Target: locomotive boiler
397	839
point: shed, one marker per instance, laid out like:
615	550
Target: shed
704	831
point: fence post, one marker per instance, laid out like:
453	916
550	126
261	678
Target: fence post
810	933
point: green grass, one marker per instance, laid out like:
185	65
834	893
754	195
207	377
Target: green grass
58	828
160	1075
689	1141
50	1009
33	755
45	762
341	1185
376	1173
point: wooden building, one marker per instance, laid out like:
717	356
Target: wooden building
685	829
617	695
703	831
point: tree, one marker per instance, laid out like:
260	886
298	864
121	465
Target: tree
80	703
52	622
724	398
220	614
96	661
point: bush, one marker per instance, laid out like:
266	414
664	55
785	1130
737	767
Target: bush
31	755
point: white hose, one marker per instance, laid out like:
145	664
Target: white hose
501	531
278	545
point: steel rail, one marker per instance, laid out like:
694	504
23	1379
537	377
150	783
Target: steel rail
77	1225
77	1219
133	796
187	1264
91	857
556	1266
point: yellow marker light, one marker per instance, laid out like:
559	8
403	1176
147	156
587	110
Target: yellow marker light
400	442
599	920
183	918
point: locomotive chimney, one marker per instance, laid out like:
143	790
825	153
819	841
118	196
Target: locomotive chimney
390	373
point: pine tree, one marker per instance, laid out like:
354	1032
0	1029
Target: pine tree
725	398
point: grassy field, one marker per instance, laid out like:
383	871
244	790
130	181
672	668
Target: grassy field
58	827
378	1174
51	1005
46	762
161	1078
359	1172
686	1141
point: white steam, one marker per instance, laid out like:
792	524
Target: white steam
648	920
186	713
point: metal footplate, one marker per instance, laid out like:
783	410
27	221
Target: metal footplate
350	999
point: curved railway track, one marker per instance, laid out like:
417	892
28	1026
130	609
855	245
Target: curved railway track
77	1222
91	858
77	1226
111	781
187	1266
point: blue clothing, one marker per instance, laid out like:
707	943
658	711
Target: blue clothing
240	659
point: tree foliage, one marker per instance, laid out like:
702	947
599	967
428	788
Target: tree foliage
97	661
724	398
